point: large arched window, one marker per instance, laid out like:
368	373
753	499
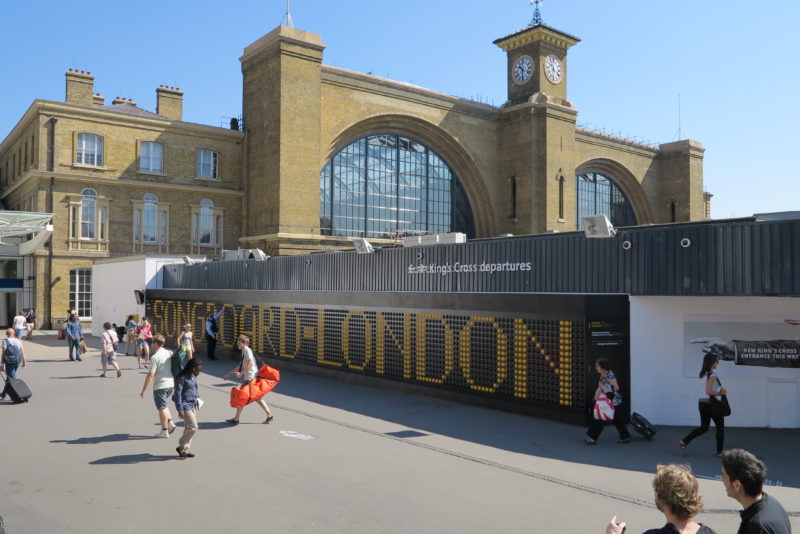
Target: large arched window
599	194
386	185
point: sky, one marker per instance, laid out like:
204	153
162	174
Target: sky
722	73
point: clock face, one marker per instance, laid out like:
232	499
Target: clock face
522	70
552	68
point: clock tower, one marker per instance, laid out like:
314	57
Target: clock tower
537	63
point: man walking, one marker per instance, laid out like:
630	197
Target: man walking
160	375
743	476
12	356
30	322
211	333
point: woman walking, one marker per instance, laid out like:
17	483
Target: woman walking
608	385
709	387
186	402
143	336
246	370
12	356
109	353
185	341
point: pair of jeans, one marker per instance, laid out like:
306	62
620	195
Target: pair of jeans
74	344
706	416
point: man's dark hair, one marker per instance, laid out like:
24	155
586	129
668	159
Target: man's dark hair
747	469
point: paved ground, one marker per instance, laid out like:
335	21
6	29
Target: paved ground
79	458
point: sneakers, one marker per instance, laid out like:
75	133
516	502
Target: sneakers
590	441
172	428
103	375
162	434
232	421
119	373
624	440
269	418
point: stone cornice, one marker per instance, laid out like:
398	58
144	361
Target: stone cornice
118	182
598	139
404	91
97	114
536	33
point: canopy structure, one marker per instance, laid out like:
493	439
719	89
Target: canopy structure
22	232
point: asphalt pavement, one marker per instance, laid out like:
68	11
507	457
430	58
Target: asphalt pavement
80	457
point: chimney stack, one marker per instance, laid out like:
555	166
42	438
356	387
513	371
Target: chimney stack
99	100
123	100
169	102
80	87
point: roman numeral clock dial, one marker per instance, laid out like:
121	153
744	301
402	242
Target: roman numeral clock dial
522	70
552	68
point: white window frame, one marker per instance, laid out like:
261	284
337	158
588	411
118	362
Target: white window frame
207	164
88	215
81	300
151	157
89	149
159	211
206	213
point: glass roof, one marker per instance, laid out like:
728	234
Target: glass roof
21	223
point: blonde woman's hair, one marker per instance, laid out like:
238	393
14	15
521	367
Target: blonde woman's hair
244	339
187	327
677	490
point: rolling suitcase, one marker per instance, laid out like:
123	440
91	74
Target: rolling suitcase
642	426
17	390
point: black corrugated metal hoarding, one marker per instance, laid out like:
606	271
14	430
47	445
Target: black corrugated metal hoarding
734	258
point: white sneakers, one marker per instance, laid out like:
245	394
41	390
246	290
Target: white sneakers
162	434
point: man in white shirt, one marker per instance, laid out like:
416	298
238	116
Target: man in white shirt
19	325
160	375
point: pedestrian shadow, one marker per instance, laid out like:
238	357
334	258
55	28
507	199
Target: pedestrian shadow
213	425
100	439
73	377
124	459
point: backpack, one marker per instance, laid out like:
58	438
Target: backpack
176	362
12	351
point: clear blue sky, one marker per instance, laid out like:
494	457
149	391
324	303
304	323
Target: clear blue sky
734	65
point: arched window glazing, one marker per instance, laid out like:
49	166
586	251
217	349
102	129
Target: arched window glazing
598	194
387	184
88	215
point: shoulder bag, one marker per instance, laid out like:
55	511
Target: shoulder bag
720	406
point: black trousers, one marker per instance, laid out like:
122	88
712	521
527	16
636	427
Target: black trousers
706	416
620	421
211	347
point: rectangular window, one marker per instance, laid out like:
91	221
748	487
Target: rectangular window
206	164
80	291
90	150
163	227
151	157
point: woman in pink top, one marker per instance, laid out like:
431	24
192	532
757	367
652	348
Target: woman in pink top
143	337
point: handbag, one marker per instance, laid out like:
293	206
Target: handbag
603	408
720	406
84	348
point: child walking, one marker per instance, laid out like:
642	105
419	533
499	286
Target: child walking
109	352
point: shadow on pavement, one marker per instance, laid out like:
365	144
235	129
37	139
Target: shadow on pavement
100	439
132	459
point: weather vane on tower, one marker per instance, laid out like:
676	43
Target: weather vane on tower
537	12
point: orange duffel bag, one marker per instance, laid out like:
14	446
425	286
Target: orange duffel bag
266	379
